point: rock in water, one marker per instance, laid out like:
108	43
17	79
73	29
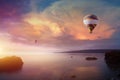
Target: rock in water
91	58
73	76
11	64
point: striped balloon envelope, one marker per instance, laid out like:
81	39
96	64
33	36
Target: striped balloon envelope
90	21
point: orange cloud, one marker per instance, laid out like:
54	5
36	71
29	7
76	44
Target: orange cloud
41	24
100	32
41	27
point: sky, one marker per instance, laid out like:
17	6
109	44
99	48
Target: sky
58	24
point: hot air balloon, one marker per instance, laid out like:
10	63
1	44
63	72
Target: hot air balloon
35	41
90	21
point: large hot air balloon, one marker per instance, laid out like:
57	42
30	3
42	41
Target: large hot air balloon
90	21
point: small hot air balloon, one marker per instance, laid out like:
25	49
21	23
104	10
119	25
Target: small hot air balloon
90	21
35	41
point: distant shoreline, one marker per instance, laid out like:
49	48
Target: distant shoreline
90	51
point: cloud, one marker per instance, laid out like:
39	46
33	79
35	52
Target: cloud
69	15
61	23
13	8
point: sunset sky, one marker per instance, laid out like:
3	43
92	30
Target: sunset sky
58	24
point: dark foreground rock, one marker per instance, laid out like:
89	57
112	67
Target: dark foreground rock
11	64
112	59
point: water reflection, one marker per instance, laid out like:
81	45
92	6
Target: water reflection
82	73
61	67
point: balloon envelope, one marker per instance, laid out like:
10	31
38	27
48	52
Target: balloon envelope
90	21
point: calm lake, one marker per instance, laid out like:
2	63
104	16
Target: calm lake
62	66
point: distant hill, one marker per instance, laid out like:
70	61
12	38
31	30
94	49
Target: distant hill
90	51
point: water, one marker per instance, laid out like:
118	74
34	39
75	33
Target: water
59	66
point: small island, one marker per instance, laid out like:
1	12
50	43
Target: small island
10	64
91	58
